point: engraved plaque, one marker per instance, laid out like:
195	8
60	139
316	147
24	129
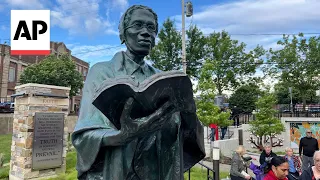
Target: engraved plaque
48	140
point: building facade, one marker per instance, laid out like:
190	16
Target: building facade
11	68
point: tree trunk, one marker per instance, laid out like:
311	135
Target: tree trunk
219	88
260	144
304	101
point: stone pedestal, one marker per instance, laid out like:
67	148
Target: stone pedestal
35	104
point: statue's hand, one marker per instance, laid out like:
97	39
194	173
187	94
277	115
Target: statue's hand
131	128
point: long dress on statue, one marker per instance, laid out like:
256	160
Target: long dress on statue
163	155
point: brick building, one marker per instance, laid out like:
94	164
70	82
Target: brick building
11	68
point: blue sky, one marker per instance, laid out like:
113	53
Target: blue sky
87	26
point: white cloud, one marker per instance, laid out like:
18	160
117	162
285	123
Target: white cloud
112	32
29	4
79	17
258	16
87	17
120	4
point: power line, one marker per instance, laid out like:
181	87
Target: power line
269	34
255	63
262	34
102	49
99	50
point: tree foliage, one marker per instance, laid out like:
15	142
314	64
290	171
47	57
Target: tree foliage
166	55
245	98
206	110
297	63
58	71
266	126
195	50
228	62
281	90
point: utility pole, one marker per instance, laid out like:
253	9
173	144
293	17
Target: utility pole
188	13
184	62
291	105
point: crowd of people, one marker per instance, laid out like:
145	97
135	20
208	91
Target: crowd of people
305	166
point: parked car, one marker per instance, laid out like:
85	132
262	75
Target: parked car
7	107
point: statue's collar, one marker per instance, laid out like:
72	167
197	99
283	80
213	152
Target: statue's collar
123	62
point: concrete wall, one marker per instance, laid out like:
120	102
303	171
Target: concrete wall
6	121
227	146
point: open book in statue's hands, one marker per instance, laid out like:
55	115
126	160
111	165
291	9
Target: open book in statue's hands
149	95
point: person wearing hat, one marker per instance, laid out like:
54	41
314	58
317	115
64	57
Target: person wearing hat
161	146
308	145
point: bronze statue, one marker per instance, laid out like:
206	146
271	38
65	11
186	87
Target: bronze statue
160	146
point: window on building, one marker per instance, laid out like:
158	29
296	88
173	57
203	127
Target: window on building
12	74
84	72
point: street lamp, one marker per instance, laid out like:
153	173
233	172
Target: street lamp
216	162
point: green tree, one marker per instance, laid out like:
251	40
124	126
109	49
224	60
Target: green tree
297	63
195	50
166	55
266	126
245	98
281	91
228	63
206	110
59	71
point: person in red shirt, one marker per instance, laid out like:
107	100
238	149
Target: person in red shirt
213	131
278	169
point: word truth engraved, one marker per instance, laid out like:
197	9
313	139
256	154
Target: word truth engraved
48	140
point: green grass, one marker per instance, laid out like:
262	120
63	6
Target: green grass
5	146
4	172
201	174
71	172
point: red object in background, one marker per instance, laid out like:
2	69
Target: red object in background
213	126
216	130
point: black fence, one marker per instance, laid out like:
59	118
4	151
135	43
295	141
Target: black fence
299	114
246	118
210	172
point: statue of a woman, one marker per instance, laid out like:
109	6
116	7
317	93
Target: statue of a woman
161	146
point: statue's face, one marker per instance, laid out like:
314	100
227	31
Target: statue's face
140	32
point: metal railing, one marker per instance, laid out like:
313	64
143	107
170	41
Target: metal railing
210	172
299	114
228	134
